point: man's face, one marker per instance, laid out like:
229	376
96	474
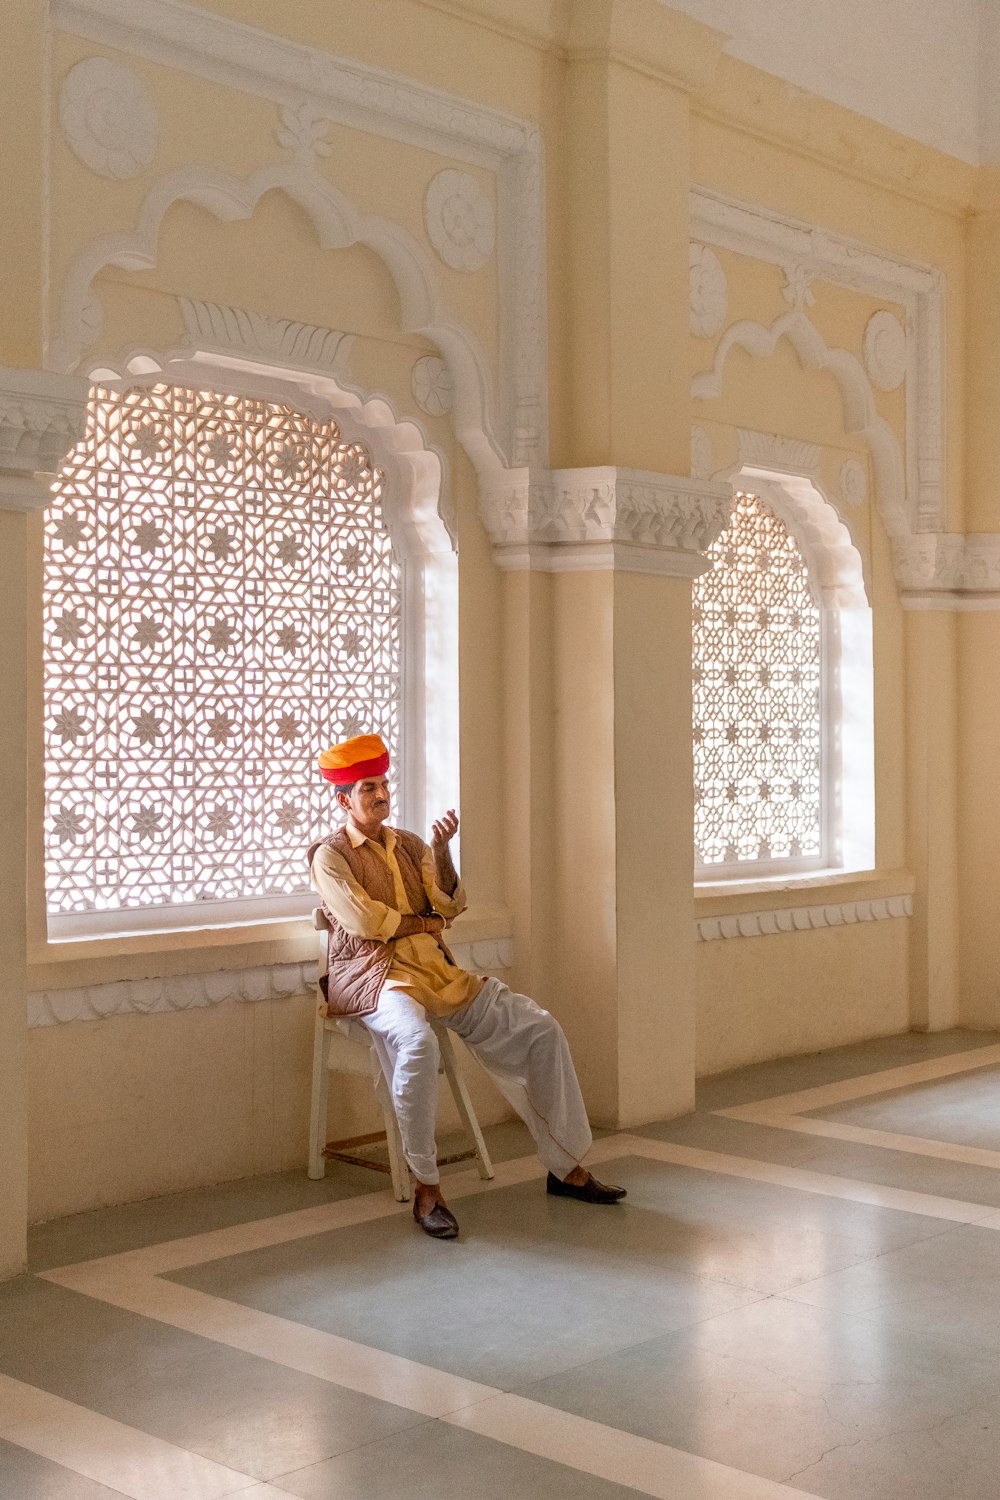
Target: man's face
368	802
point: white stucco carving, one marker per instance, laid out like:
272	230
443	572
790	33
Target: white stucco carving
108	118
304	127
797	289
248	60
222	987
216	325
431	384
459	220
885	350
909	488
708	292
42	416
567	519
853	481
769	450
945	570
802	918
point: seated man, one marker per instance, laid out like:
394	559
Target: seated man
388	898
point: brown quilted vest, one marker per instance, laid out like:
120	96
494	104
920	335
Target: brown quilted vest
356	967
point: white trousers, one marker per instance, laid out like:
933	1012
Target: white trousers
520	1045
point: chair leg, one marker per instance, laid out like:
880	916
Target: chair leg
318	1100
394	1142
464	1104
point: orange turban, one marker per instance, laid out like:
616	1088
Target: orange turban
355	759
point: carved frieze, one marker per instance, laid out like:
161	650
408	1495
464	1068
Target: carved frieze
549	518
945	570
42	416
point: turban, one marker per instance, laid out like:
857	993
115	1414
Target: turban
353	760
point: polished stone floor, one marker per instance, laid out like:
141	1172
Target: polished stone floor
799	1297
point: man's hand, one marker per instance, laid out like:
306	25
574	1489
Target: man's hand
443	831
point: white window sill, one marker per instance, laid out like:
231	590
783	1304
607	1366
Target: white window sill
730	897
109	955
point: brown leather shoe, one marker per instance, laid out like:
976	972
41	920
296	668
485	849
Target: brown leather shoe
590	1191
439	1222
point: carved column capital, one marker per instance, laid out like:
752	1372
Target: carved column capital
602	519
946	570
42	416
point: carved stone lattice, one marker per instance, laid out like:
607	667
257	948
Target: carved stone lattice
757	733
221	601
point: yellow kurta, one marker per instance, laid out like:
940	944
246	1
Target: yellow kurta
418	964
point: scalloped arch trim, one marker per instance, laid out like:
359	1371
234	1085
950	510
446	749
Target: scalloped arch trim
857	398
338	225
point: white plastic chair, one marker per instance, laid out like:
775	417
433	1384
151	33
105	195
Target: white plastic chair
341	1045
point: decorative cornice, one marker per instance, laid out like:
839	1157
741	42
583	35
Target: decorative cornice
42	416
216	326
557	520
312	85
224	987
911	496
945	570
751	924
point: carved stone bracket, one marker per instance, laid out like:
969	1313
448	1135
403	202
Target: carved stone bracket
945	570
563	520
42	417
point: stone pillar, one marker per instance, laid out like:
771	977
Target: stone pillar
932	823
620	535
608	554
41	417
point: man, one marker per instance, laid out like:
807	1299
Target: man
388	897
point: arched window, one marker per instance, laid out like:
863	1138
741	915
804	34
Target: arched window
221	600
782	754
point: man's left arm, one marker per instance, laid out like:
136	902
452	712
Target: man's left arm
441	880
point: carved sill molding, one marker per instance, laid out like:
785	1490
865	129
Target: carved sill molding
946	570
556	520
225	987
42	417
802	918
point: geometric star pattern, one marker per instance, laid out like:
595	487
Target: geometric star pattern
221	603
757	697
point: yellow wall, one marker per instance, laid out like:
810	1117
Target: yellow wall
635	106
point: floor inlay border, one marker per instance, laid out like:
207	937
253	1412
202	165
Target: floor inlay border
788	1111
133	1280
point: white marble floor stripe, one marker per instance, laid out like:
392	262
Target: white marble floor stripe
618	1457
110	1453
312	1351
823	1183
862	1087
132	1280
889	1140
281	1229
